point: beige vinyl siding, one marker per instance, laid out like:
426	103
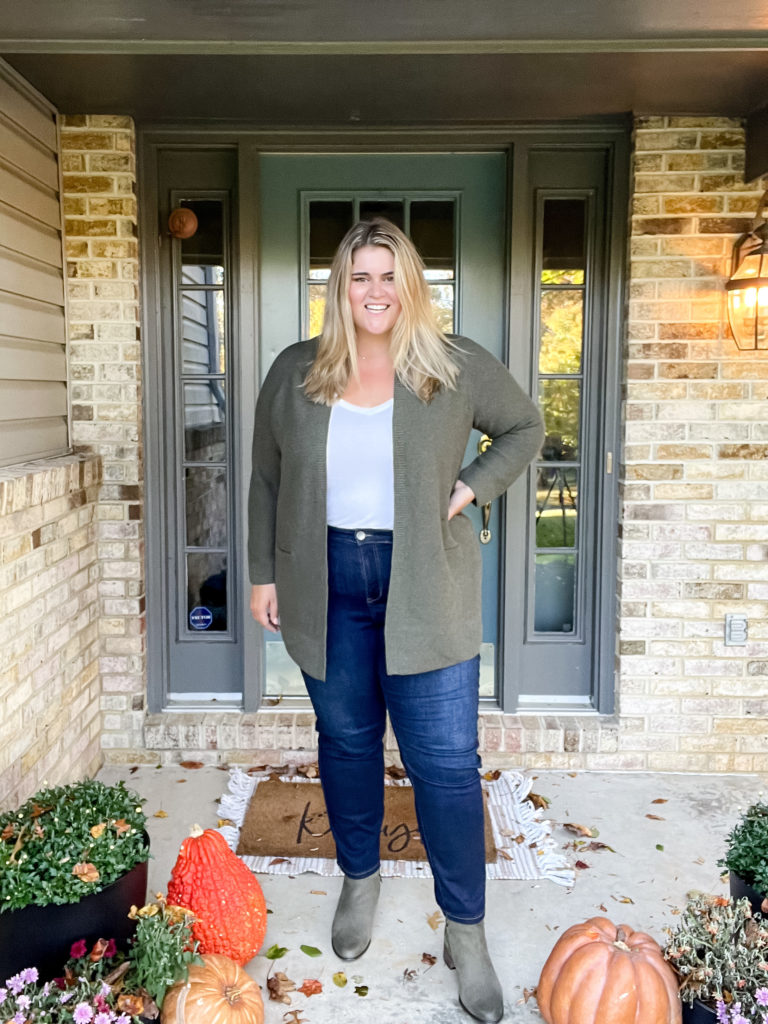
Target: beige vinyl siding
33	368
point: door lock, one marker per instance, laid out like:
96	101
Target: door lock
484	444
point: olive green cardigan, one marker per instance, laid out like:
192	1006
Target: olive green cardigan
433	610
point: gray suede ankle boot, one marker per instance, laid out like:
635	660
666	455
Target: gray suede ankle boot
465	951
353	920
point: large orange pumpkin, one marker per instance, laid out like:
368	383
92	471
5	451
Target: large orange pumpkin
217	991
224	896
602	973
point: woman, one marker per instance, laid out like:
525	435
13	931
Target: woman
359	553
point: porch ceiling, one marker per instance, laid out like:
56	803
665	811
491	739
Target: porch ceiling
329	62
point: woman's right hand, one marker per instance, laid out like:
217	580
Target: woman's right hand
264	606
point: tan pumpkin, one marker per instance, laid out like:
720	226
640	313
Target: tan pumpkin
225	897
218	991
602	973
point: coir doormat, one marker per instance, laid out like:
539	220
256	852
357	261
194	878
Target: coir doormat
523	847
289	819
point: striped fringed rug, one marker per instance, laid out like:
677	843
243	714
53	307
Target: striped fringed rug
512	815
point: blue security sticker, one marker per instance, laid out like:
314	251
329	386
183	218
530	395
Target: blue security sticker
200	618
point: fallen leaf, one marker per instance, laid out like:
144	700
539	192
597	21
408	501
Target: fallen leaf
317	892
256	768
528	993
271	702
309	771
699	860
410	974
98	830
86	872
594	845
121	825
279	986
361	990
37	831
38	811
275	952
7	833
311	987
659	846
625	899
133	769
435	920
655	817
181	780
659	800
279	860
602	906
161	814
311	950
581	830
504	853
394	771
292	1017
539	801
224	821
428	959
190	764
340	979
581	865
492	776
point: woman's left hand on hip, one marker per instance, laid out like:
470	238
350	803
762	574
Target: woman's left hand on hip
461	496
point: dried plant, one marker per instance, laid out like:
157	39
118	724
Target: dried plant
719	951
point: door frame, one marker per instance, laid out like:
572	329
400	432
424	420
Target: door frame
611	134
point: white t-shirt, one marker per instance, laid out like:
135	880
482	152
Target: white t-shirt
360	473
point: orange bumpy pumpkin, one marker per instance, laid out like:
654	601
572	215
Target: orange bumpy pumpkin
224	896
217	991
602	973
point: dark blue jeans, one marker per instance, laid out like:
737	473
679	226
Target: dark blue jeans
434	717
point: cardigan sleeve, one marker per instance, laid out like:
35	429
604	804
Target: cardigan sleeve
501	409
265	483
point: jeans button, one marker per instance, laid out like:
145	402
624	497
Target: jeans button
360	535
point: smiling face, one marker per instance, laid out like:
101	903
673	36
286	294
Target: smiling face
372	293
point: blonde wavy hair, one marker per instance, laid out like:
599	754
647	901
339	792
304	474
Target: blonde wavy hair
421	353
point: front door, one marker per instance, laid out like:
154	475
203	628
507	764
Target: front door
453	207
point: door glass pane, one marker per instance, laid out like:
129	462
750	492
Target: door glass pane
205	433
555	593
329	221
206	246
561	326
559	404
432	232
206	505
202	331
392	209
556	506
207	592
316	308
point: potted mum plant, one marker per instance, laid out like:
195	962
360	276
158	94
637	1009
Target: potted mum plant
719	951
73	860
747	857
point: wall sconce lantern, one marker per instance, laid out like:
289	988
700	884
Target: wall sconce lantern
747	286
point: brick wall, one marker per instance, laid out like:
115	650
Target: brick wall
99	199
695	495
49	610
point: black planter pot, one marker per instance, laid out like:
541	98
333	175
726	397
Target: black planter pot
698	1013
42	936
741	888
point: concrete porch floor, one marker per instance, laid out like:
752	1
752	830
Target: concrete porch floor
524	918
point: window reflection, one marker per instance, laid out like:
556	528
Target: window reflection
556	506
202	331
205	433
206	506
555	593
561	331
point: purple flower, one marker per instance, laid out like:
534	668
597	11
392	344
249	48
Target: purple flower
103	1018
83	1014
722	1013
738	1019
65	997
19	1018
105	990
3	994
29	975
761	997
123	1019
15	984
23	1002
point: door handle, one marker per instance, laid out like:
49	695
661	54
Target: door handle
483	444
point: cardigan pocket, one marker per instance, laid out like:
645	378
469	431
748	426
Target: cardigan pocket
453	530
